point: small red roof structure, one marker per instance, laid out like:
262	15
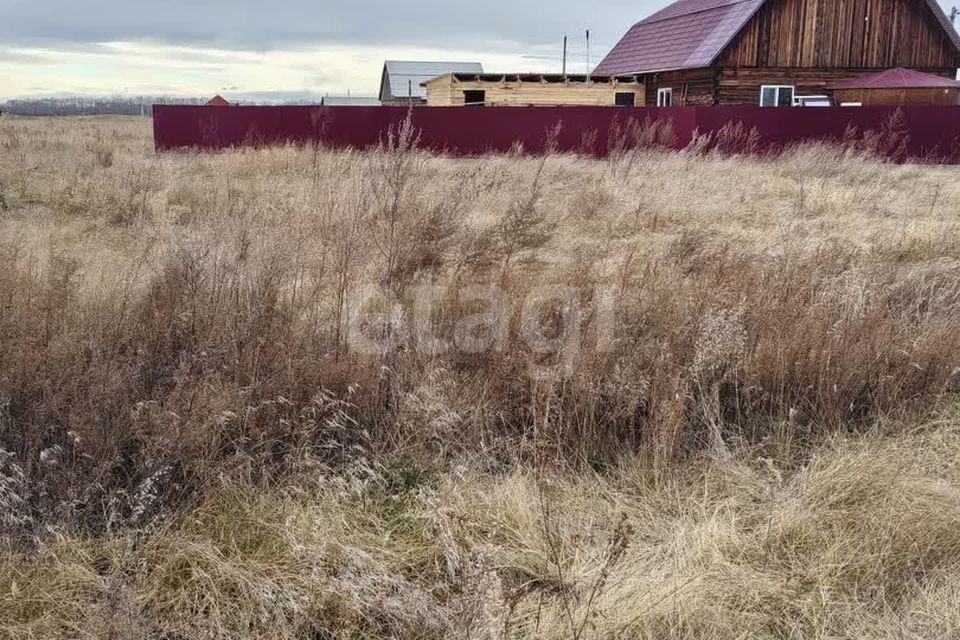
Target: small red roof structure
897	79
218	101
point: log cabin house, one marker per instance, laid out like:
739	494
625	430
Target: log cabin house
496	90
779	52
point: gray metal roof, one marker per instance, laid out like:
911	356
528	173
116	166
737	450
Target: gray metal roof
351	101
401	78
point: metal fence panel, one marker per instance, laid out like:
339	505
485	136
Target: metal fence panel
927	133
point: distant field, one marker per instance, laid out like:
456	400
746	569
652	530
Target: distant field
301	393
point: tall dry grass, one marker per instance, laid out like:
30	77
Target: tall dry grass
646	445
860	541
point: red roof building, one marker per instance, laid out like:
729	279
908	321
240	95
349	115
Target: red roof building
772	52
897	87
217	101
897	79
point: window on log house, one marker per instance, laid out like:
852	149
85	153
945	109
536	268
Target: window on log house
772	95
665	97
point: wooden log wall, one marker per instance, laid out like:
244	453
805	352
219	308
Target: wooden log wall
872	97
691	87
856	34
741	86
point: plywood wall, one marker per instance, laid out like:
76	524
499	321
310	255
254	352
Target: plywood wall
843	34
446	91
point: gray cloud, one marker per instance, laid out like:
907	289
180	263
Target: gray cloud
527	29
319	80
15	57
498	25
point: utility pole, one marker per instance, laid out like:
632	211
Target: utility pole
589	70
564	55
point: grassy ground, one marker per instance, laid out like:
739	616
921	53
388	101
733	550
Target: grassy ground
302	393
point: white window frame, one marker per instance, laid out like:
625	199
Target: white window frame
778	87
666	91
811	101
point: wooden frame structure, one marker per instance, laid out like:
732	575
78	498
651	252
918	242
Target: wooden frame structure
472	89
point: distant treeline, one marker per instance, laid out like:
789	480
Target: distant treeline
89	106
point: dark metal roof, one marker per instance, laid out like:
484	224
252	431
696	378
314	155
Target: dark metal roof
690	34
686	35
897	79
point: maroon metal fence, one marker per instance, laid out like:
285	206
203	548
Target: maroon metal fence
928	133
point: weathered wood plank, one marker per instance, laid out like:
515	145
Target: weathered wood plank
842	34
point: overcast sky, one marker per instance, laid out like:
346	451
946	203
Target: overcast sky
201	47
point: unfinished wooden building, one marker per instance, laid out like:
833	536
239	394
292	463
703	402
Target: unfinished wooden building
778	52
494	90
401	81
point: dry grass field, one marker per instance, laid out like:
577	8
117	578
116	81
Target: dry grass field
302	393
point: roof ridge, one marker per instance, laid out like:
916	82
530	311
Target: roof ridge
654	19
434	61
